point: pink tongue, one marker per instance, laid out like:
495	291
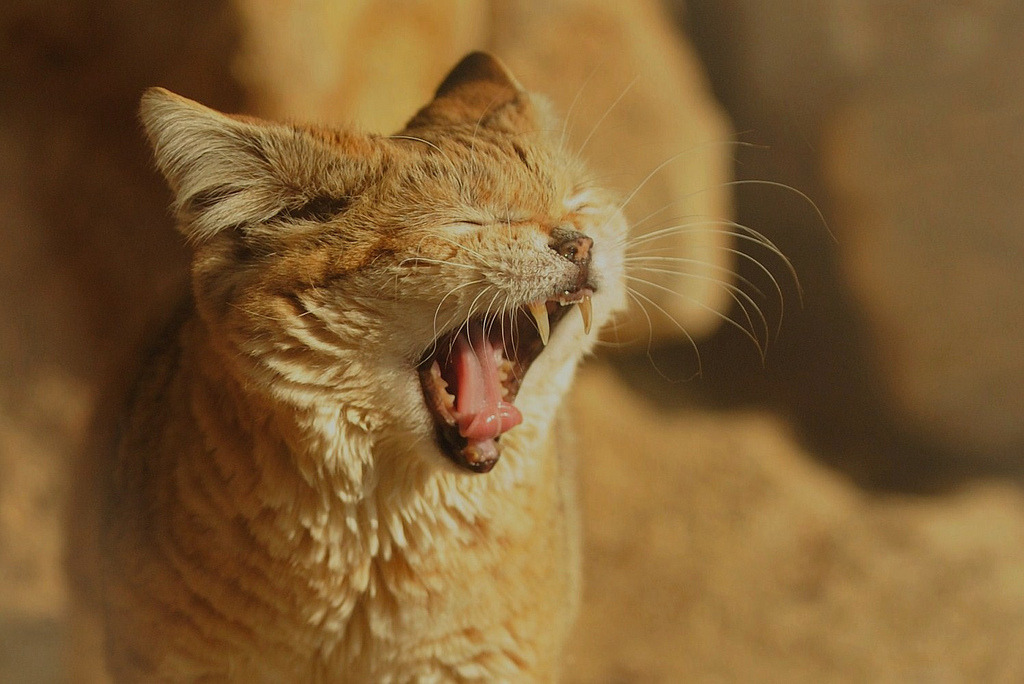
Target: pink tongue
481	412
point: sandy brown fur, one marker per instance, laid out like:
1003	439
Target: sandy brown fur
275	507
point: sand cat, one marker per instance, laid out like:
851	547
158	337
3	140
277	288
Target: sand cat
347	461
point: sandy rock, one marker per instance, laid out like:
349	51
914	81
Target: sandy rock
717	550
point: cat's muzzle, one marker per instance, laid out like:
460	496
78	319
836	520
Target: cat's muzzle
471	375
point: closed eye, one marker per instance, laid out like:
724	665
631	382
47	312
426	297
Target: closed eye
464	226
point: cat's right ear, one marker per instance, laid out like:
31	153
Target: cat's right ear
230	172
479	90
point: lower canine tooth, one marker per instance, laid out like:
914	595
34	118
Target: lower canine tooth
539	311
587	312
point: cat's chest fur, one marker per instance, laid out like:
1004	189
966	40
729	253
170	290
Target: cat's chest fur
285	567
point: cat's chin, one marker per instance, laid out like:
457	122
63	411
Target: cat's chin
471	375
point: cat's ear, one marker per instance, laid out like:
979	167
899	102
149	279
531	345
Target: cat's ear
479	82
479	90
231	173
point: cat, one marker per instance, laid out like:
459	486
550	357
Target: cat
349	459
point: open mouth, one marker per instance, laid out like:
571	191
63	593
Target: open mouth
471	375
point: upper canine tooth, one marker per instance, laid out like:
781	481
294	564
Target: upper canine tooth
539	311
587	312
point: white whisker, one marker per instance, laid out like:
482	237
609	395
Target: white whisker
451	165
735	293
775	184
426	260
507	306
701	305
437	310
738	253
572	106
743	233
634	294
583	146
643	258
496	316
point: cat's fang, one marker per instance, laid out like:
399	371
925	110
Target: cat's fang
539	311
587	312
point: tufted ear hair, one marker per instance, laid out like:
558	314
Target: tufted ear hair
479	90
231	172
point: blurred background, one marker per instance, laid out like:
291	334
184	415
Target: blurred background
844	507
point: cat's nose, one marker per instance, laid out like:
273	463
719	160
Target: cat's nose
572	245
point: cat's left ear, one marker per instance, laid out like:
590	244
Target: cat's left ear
481	91
239	173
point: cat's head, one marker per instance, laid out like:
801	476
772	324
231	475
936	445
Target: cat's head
441	282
